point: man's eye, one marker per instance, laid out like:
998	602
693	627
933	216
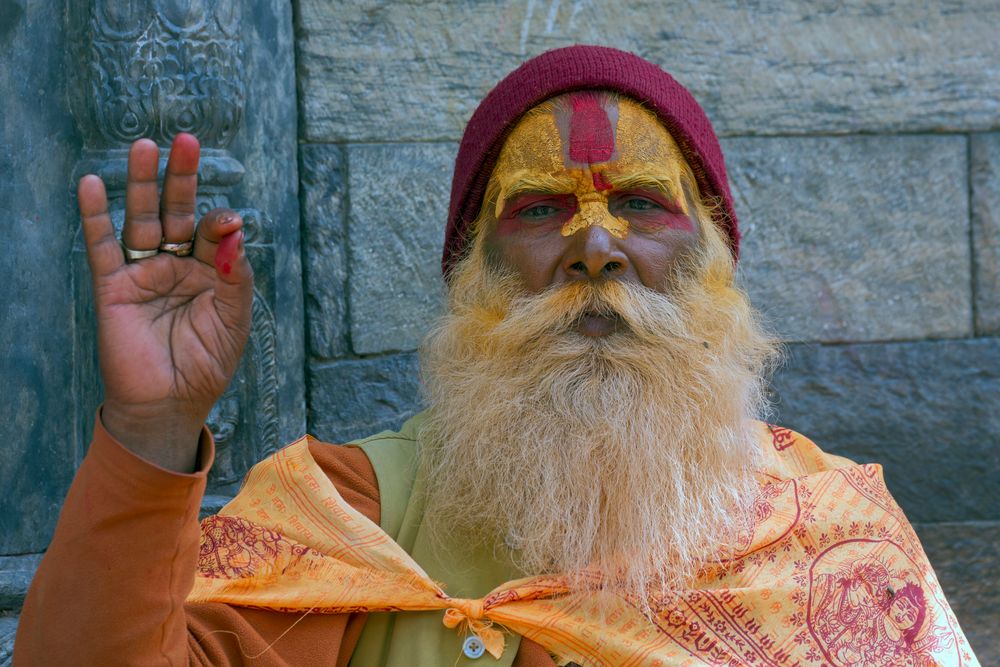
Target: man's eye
540	211
641	204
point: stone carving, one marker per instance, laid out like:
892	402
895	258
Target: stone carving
248	410
264	362
153	68
224	422
245	420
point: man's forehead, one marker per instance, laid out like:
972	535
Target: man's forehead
589	129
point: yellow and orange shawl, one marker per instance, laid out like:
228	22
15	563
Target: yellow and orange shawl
832	573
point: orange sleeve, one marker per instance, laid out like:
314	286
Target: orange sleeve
112	586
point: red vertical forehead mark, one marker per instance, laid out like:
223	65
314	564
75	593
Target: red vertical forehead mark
601	183
591	137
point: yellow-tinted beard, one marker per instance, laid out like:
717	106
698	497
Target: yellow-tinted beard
630	454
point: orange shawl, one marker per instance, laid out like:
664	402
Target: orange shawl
832	573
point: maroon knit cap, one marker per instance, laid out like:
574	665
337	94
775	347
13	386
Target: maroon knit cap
581	68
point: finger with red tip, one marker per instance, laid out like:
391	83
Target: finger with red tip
233	282
228	252
213	226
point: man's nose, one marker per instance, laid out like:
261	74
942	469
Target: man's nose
594	253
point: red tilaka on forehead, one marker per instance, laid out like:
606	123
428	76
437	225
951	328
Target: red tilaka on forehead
600	181
591	137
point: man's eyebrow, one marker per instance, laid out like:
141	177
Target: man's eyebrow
638	180
534	182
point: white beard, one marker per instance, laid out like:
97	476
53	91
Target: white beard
630	455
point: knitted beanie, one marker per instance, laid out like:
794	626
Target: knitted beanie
581	68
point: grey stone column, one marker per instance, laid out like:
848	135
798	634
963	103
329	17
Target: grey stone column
154	68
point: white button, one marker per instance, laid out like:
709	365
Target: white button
473	647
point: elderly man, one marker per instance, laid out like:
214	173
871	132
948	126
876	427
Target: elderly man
588	484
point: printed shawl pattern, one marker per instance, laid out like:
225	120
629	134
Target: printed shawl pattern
832	573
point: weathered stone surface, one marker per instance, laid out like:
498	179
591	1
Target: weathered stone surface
985	169
16	573
211	504
417	70
855	238
857	252
231	69
965	557
47	431
8	627
267	145
399	205
38	148
926	411
356	398
324	246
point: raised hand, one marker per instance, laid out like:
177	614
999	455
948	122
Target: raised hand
171	328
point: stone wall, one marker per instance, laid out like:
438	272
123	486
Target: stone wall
861	148
863	144
79	80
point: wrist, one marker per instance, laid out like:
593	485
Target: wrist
167	438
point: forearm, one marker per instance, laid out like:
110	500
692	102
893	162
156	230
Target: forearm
111	588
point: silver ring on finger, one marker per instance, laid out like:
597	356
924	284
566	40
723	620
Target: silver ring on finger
132	255
182	249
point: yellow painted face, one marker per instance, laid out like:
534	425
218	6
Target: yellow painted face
585	159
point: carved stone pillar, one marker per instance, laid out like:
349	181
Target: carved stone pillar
153	68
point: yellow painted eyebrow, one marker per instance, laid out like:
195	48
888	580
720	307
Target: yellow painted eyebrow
536	182
637	180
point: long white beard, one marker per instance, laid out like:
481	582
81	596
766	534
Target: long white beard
630	455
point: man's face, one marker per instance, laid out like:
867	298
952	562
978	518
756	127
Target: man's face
587	188
596	364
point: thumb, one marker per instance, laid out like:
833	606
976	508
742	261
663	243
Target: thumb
219	243
233	281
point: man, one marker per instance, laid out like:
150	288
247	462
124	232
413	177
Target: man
588	484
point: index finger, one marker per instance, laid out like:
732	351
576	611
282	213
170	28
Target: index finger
103	252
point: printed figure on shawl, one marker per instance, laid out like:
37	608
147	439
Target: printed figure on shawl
830	574
873	610
775	511
234	547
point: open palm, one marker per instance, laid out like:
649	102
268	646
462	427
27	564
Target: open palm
171	328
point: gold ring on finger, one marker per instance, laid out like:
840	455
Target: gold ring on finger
182	249
132	255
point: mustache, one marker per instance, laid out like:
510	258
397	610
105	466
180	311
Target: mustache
641	312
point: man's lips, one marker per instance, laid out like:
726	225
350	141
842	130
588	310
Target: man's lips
596	324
